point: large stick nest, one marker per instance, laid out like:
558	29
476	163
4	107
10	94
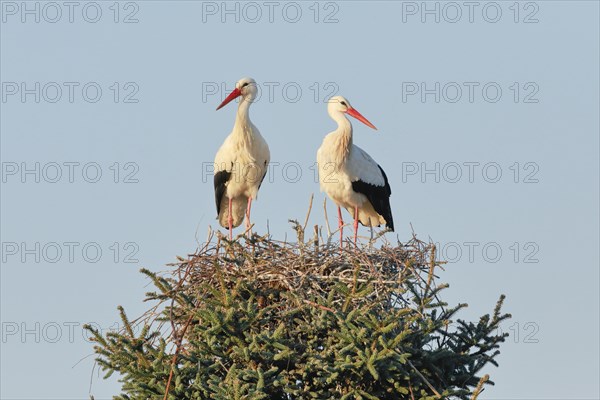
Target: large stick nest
399	274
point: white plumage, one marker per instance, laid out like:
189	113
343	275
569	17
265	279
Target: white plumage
350	176
241	162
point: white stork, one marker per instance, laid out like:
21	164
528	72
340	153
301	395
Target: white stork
349	176
241	162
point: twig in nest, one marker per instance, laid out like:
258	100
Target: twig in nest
326	219
308	213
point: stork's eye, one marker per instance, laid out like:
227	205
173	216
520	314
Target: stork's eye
245	84
344	103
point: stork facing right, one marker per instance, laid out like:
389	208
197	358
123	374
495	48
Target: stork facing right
349	176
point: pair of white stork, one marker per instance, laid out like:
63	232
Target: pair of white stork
349	176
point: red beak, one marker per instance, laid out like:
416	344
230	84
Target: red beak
353	113
236	93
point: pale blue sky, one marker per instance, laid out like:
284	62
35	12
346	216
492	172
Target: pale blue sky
376	55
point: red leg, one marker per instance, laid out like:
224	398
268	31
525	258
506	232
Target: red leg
230	221
355	223
248	214
341	226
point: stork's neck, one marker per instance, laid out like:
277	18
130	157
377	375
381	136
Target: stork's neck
343	136
243	126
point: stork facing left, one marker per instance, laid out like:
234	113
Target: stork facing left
241	162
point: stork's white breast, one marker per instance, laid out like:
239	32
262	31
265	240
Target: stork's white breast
246	160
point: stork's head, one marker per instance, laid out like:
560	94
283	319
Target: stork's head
245	87
339	104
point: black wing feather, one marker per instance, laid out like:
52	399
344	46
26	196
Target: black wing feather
263	177
379	196
221	178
